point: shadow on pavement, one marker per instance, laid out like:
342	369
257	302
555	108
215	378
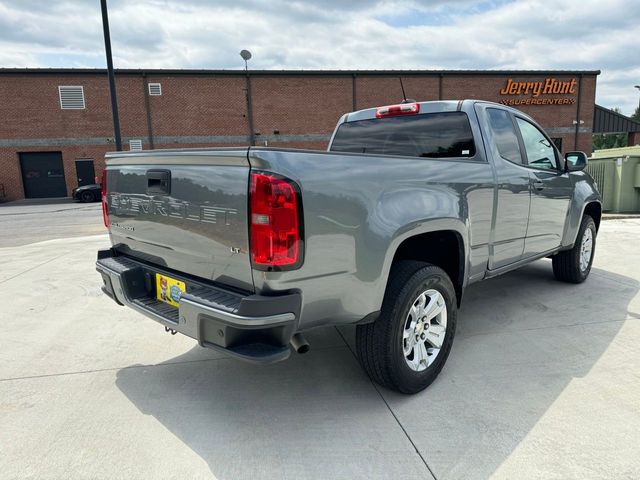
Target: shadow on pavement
521	340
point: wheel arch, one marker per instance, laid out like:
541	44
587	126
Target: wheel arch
444	245
586	200
594	210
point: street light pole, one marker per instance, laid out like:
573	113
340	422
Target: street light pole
112	79
246	56
638	87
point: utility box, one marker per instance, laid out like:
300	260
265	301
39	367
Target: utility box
617	173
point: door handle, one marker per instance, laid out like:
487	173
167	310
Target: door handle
158	182
538	185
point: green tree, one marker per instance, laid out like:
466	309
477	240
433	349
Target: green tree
609	140
601	141
636	114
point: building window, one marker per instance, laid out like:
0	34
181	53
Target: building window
71	97
155	89
135	145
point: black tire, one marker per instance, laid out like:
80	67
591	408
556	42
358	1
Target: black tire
566	265
87	197
379	345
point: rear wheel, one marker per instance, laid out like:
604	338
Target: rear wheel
87	196
574	265
407	346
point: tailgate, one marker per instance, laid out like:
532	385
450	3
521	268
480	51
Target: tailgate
183	210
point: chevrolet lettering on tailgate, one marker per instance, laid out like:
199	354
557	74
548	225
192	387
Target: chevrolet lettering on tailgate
124	204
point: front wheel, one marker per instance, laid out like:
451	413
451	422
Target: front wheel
407	346
574	265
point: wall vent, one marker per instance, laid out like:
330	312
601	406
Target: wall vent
71	97
155	89
135	145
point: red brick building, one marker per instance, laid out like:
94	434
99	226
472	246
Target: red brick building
51	137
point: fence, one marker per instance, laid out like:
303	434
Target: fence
618	180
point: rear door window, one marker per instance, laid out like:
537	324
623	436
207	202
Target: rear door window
504	135
431	135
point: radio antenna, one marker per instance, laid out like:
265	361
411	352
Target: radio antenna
404	95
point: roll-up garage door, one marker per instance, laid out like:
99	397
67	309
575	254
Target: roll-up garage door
43	174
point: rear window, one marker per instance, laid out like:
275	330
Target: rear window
432	135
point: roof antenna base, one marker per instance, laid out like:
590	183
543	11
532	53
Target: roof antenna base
404	95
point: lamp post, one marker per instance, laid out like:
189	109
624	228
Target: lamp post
246	56
638	87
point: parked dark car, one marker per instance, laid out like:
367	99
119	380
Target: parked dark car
87	193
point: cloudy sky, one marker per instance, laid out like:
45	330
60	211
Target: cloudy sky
335	34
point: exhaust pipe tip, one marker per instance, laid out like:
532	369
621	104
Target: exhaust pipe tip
299	343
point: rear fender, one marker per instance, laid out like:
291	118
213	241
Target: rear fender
428	226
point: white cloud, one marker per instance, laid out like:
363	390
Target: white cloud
361	34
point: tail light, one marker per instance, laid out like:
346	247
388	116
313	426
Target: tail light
105	210
400	109
274	207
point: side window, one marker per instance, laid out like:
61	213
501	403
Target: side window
504	135
540	152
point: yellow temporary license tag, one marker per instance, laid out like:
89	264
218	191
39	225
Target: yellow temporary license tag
169	290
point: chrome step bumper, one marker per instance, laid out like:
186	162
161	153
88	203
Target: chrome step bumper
251	327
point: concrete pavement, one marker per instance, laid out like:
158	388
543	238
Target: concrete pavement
27	221
542	382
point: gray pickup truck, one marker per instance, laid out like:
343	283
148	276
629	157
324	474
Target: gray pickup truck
245	249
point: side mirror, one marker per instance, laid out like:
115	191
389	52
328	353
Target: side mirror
575	161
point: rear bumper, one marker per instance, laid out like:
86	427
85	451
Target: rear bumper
256	328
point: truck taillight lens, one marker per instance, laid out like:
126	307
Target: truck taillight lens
275	223
400	109
103	187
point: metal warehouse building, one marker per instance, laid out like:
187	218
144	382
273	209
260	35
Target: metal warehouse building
56	123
